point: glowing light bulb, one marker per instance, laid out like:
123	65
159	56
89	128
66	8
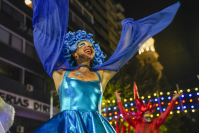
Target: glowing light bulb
113	101
142	50
161	93
108	101
193	110
196	89
27	2
151	116
149	96
181	91
157	114
168	93
125	100
178	112
188	90
154	94
147	48
152	48
185	111
142	97
171	112
131	99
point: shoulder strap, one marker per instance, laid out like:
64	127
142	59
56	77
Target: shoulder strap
66	73
98	75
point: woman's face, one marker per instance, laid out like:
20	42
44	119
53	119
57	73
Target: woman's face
85	50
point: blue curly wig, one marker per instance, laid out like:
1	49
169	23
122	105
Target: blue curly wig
70	45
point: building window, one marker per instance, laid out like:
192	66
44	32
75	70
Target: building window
10	71
13	13
78	22
77	5
4	36
36	81
16	43
31	51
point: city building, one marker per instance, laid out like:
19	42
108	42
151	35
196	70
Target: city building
115	16
22	77
147	54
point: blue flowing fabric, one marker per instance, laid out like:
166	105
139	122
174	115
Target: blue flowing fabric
50	24
80	109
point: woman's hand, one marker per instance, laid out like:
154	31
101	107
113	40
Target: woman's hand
176	95
117	96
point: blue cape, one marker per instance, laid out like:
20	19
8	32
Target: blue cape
50	20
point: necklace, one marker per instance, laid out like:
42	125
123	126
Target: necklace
80	74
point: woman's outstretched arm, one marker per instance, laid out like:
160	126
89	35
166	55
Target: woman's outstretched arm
50	19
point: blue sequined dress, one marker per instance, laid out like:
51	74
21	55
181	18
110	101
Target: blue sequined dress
80	109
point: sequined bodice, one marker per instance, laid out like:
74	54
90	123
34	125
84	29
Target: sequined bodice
80	95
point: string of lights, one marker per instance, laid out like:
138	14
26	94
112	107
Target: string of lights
189	102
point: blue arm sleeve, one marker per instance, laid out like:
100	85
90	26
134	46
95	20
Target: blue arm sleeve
135	33
50	19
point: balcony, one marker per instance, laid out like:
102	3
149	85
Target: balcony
82	10
16	20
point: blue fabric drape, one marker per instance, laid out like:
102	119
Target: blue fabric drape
50	19
50	25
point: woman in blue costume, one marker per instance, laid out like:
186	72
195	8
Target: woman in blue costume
76	64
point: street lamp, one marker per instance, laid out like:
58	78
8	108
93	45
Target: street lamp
51	104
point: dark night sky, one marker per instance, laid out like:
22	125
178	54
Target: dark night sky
178	44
